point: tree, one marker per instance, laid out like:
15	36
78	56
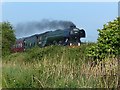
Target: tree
108	42
8	37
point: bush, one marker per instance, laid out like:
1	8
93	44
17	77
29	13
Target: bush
50	52
8	37
108	41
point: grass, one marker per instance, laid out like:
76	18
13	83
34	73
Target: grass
58	67
0	74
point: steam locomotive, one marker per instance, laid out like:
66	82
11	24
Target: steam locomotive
69	36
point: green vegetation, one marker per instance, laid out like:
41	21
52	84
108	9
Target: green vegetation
92	65
0	73
8	37
108	43
58	67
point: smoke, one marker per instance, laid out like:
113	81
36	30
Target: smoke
29	28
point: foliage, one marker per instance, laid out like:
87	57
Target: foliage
50	52
108	42
64	67
59	67
8	37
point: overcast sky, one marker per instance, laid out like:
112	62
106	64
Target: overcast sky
88	15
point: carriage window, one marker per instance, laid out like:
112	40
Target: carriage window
30	44
40	38
25	44
18	45
21	45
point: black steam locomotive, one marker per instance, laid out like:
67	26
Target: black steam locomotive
69	36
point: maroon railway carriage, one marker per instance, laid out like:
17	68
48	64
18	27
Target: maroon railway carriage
18	46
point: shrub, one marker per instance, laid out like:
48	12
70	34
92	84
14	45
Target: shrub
108	41
8	37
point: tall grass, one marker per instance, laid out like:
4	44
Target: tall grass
0	73
58	67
